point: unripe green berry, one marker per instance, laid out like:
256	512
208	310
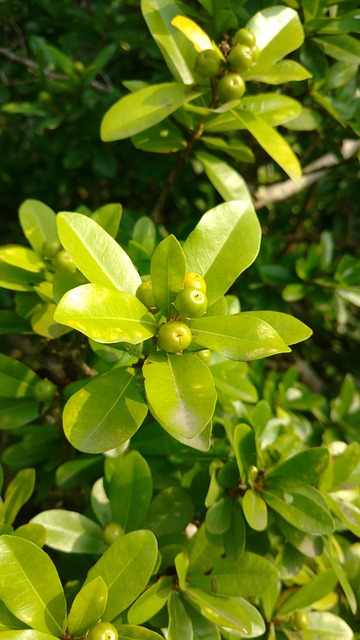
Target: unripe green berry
174	336
244	36
194	280
230	87
207	64
103	631
191	302
240	58
51	247
300	620
145	294
112	531
43	390
64	262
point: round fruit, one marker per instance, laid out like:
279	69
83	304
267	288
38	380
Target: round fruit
207	64
79	66
240	57
145	294
112	531
103	631
300	620
174	336
244	36
255	53
43	390
230	87
64	262
194	280
191	302
51	247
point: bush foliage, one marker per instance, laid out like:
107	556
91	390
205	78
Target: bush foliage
179	292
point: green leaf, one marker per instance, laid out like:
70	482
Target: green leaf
273	143
347	512
179	622
278	31
18	279
231	381
203	629
143	109
22	257
33	532
106	315
324	625
11	323
88	607
16	378
96	254
34	594
289	328
244	445
15	412
105	413
226	180
235	536
162	138
318	587
274	108
170	512
212	248
38	223
26	634
218	516
249	575
231	613
125	567
255	510
71	532
151	601
43	323
308	545
239	337
180	392
108	217
277	73
342	47
18	492
132	632
168	268
130	490
235	148
301	505
304	467
178	52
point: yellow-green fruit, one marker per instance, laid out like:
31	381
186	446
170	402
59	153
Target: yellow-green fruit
112	531
240	58
103	631
230	87
51	247
64	262
207	64
191	302
145	294
174	336
194	280
244	36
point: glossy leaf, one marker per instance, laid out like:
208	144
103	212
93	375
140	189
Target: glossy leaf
232	613
278	73
43	323
289	328
21	257
151	601
303	467
235	536
38	223
240	337
18	279
211	249
16	378
278	31
318	587
231	381
302	506
193	32
180	392
249	575
347	512
168	268
274	108
273	143
96	254
179	622
161	138
125	567
71	532
309	545
132	632
138	111
218	516
88	606
226	180
106	315
341	47
108	217
15	412
17	493
178	52
34	594
255	510
130	490
26	634
105	413
170	512
244	445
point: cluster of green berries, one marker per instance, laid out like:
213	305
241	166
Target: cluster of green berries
53	250
191	302
243	54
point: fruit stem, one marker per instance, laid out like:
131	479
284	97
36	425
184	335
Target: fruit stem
156	214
